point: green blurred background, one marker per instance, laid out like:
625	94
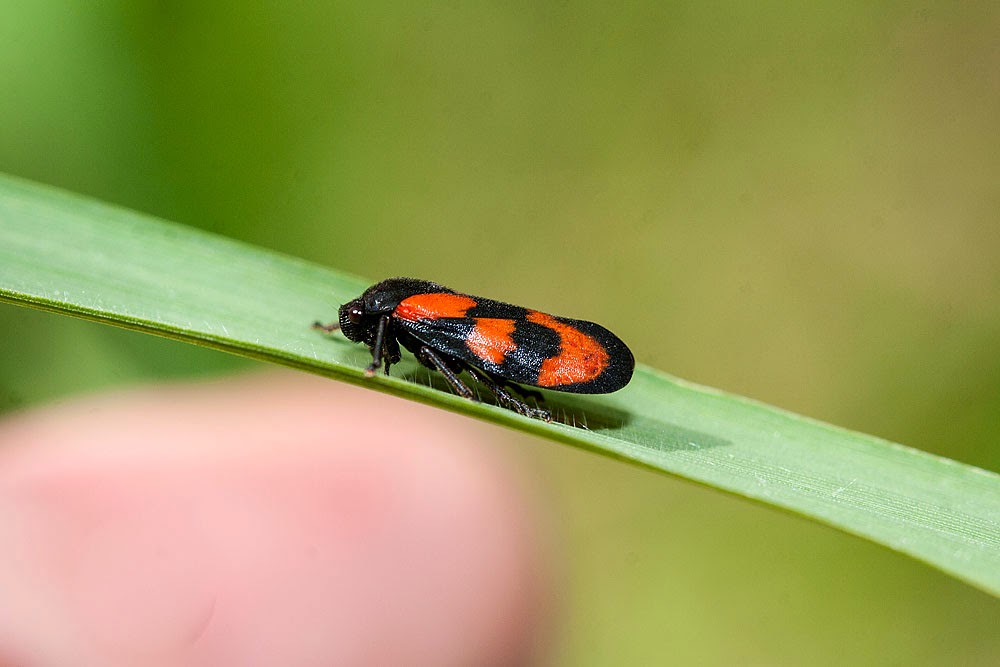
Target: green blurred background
799	203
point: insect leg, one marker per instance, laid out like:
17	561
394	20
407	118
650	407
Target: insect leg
507	399
429	355
523	392
378	347
391	353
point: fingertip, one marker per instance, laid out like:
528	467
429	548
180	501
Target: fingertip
315	520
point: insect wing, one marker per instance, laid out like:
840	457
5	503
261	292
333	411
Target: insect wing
589	359
517	344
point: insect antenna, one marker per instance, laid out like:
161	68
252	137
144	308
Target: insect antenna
326	328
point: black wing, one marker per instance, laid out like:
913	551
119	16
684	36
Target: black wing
528	347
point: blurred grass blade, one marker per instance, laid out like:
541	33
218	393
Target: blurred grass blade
63	253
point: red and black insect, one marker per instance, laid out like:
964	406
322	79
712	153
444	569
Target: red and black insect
500	345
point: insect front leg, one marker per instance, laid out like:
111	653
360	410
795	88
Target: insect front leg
431	358
391	352
378	348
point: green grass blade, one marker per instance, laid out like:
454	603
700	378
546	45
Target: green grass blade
64	253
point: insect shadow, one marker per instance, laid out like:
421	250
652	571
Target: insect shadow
642	430
586	412
580	411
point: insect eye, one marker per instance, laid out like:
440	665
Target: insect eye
354	315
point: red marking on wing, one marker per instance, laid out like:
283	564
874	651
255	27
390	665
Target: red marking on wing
580	358
490	339
433	306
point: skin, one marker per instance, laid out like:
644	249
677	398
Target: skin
270	520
